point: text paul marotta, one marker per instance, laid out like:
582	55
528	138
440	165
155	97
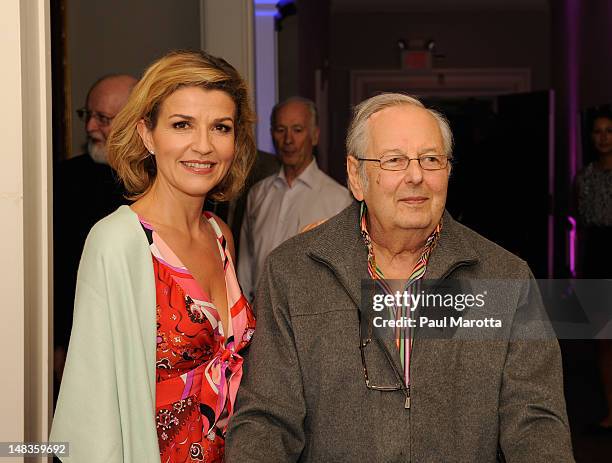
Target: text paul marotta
412	301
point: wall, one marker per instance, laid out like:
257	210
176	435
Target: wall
36	107
476	39
11	233
596	53
467	39
227	29
24	207
288	60
109	36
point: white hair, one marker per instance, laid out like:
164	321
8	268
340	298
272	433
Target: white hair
97	151
310	105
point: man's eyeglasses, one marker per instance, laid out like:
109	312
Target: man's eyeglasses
366	339
397	162
85	114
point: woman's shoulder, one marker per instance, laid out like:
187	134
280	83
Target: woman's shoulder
583	175
117	231
217	223
221	228
114	244
587	170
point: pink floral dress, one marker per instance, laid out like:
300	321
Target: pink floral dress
198	367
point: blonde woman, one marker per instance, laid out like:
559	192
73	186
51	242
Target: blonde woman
154	359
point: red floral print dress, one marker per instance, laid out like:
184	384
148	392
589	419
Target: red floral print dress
198	367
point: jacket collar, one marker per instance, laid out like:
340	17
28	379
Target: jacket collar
339	245
454	249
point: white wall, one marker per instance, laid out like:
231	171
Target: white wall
11	232
228	30
24	208
37	197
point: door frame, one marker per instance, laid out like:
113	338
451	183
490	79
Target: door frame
26	211
441	82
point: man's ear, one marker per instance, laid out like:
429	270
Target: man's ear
354	179
145	135
315	136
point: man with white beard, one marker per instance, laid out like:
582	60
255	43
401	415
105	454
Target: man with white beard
105	99
85	190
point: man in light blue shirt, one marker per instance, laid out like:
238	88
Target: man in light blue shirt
280	206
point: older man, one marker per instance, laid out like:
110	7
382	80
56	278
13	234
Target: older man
85	190
315	388
281	205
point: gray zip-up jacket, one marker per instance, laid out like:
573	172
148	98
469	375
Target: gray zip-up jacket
303	396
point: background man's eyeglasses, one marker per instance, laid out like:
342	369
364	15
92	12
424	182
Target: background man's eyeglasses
85	114
397	162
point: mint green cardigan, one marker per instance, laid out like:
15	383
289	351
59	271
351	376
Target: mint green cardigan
106	405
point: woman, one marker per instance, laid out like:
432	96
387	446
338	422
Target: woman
154	360
594	203
594	186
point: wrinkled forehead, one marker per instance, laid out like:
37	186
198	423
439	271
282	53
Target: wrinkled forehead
406	128
293	113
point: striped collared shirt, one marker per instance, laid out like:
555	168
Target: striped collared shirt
403	336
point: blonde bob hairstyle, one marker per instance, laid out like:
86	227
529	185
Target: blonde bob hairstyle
127	154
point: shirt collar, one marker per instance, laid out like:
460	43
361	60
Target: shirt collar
421	264
338	244
308	177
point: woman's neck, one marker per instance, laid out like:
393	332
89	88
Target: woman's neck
164	207
397	252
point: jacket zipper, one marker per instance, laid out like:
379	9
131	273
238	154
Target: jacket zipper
444	276
407	402
407	387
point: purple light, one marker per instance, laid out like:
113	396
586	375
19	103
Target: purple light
573	30
572	246
572	17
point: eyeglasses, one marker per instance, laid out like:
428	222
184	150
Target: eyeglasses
366	339
397	162
85	114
